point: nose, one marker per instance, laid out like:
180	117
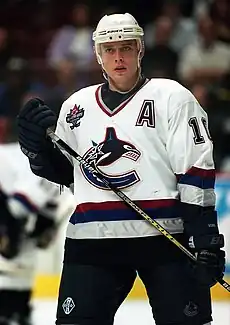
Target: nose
118	56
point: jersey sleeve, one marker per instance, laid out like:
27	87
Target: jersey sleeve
190	151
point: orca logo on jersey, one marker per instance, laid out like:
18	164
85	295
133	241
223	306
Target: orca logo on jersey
74	116
108	152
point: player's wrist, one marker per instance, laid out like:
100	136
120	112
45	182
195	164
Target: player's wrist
210	242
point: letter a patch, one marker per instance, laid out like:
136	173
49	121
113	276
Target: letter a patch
147	114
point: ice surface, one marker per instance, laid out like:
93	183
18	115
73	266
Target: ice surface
131	312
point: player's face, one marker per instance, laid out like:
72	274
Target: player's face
120	61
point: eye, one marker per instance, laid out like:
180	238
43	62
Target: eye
109	50
127	147
127	48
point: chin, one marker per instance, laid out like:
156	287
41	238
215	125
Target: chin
121	75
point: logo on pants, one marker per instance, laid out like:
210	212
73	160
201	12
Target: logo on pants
68	305
191	309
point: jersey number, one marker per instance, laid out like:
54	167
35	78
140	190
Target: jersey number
198	137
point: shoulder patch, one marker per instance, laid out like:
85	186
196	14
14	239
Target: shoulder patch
74	116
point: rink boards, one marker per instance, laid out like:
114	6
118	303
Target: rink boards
47	285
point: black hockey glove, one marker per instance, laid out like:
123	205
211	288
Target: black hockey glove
33	122
12	232
44	232
210	265
204	241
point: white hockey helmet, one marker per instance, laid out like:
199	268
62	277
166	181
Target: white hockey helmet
118	27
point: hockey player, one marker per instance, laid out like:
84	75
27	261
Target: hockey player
149	138
31	209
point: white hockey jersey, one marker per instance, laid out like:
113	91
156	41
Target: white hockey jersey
155	146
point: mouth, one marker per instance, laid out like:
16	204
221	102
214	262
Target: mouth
120	69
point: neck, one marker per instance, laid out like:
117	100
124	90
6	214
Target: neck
124	88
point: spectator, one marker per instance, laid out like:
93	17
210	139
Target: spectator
220	13
183	29
201	8
205	59
5	50
73	41
161	59
219	116
201	93
17	83
68	80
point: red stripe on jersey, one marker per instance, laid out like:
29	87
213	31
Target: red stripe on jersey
195	171
113	205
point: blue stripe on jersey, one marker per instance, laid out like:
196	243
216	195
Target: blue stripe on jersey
197	181
122	213
199	177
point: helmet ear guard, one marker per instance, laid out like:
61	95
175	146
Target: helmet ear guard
141	50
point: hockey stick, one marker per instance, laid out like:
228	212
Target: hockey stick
64	146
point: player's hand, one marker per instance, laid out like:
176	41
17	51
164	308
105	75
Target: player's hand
46	238
33	121
210	265
4	240
11	237
44	232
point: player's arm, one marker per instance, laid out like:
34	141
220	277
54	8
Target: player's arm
190	150
45	160
45	227
23	211
12	217
12	227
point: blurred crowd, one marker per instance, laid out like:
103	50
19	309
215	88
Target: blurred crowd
46	51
